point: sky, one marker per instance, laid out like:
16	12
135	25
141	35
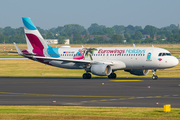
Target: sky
53	13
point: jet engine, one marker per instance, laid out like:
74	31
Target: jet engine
139	72
101	69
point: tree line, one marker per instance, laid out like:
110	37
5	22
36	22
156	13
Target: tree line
97	34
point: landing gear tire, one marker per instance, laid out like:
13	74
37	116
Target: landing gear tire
154	77
112	76
86	76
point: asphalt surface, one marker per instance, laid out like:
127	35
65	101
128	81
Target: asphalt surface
123	92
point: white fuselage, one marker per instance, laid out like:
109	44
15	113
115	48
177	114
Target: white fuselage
123	57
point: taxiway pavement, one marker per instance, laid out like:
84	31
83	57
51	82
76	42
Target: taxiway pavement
120	92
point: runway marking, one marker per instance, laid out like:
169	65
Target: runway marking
158	96
149	97
121	98
139	97
53	95
175	95
126	80
113	99
130	98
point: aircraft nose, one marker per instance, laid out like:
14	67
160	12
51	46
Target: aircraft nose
175	61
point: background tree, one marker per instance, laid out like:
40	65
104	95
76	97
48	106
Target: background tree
108	31
138	35
117	39
163	36
129	29
119	29
150	30
95	28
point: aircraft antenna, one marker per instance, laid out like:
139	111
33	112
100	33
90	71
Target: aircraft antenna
134	45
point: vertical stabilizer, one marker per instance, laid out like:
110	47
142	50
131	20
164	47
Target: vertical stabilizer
35	42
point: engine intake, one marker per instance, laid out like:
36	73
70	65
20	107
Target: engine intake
139	72
101	69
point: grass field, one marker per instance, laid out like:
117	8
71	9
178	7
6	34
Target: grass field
86	113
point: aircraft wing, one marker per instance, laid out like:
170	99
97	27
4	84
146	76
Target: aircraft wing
67	60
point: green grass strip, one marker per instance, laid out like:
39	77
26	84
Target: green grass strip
69	112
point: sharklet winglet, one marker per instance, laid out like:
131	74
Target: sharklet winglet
18	50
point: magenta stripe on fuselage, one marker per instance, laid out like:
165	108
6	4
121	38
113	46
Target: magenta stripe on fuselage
36	44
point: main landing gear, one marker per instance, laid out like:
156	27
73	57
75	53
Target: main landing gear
112	76
86	76
154	77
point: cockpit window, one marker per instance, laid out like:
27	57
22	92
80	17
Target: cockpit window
168	54
160	54
165	54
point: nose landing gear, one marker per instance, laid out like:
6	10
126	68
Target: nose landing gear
154	77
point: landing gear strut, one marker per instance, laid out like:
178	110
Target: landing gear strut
112	76
154	77
86	76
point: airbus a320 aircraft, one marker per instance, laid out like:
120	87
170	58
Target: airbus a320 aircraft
101	61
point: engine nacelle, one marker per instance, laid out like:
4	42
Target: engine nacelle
139	72
101	69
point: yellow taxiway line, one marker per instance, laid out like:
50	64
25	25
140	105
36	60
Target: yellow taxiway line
126	80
